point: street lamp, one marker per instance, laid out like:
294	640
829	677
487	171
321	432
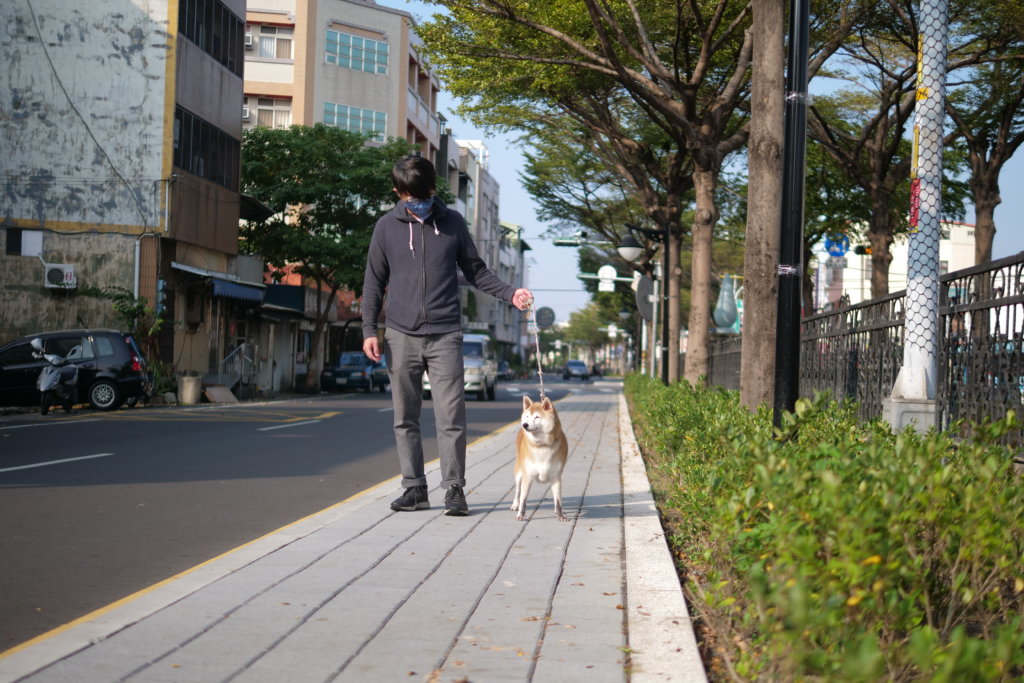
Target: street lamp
630	249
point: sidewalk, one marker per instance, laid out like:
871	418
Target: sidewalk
359	593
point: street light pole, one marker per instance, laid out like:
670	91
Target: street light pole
790	274
659	235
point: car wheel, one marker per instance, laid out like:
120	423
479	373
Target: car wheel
103	395
491	392
369	386
382	388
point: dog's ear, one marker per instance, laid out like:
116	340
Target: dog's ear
526	402
547	405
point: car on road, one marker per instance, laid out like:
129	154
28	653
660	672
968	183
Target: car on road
575	368
352	370
479	365
505	371
111	367
381	380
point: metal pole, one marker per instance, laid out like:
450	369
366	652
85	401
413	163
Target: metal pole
916	380
787	341
665	310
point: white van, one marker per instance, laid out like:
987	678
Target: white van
480	365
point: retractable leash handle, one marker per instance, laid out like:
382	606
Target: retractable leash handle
530	318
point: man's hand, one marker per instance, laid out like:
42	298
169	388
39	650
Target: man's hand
522	299
371	347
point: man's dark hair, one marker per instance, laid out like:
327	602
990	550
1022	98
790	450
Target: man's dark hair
414	175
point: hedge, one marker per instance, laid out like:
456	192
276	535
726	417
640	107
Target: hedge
837	550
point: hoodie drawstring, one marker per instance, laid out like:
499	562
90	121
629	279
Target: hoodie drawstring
422	223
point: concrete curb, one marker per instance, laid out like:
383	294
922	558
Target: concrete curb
662	644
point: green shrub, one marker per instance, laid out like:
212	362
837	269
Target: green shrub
842	552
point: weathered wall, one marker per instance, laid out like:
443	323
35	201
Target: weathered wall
83	90
27	306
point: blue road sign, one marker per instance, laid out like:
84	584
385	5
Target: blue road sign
837	245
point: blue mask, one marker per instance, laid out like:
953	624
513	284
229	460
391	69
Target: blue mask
420	207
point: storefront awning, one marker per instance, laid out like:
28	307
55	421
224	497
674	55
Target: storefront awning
235	290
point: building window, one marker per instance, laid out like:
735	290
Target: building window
356	119
273	42
202	149
355	52
13	241
215	29
271	112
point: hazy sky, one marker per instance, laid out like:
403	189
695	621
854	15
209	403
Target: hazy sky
553	271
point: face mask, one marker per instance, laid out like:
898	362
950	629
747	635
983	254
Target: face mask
420	207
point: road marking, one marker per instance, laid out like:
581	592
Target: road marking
385	410
55	462
67	421
286	426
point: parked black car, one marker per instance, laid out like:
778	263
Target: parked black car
111	367
575	368
353	370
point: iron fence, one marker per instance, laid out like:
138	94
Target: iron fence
856	351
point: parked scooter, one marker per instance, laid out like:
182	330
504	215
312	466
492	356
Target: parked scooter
57	381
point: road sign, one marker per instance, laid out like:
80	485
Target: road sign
545	318
836	262
607	275
644	290
837	245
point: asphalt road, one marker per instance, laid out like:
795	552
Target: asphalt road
95	506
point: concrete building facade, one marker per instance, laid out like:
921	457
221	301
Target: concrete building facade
121	165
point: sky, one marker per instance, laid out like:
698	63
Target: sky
552	270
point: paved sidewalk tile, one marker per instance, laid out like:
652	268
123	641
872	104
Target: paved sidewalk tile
359	593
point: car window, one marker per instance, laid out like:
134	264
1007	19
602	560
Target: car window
104	347
473	349
69	347
354	358
17	355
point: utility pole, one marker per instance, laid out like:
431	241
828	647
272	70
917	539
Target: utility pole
913	396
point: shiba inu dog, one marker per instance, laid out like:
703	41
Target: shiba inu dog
541	452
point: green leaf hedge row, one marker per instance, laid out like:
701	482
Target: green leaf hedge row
836	550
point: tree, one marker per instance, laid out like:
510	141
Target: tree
684	64
988	113
326	187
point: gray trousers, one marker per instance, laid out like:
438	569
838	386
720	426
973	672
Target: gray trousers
408	356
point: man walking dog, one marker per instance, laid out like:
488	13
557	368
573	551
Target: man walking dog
415	253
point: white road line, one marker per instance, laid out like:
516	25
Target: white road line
385	410
48	424
291	424
55	462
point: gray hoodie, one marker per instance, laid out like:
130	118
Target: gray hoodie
416	263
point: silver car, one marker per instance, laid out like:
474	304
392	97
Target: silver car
479	365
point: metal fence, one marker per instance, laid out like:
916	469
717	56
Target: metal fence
856	351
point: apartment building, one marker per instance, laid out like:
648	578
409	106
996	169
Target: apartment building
121	168
354	64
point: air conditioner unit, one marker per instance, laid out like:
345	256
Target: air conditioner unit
248	41
245	113
59	276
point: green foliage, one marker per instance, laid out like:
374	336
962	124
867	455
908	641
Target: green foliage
844	552
327	187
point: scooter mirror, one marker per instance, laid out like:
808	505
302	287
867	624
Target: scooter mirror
37	344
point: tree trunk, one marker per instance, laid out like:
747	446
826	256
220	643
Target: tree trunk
879	237
764	205
985	202
700	287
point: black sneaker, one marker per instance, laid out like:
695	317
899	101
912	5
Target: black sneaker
414	498
455	502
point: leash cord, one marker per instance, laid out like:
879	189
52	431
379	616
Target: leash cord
530	318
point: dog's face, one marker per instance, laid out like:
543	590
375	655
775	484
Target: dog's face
538	417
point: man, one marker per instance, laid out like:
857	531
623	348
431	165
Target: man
415	253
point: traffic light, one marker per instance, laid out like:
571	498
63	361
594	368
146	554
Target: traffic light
862	249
